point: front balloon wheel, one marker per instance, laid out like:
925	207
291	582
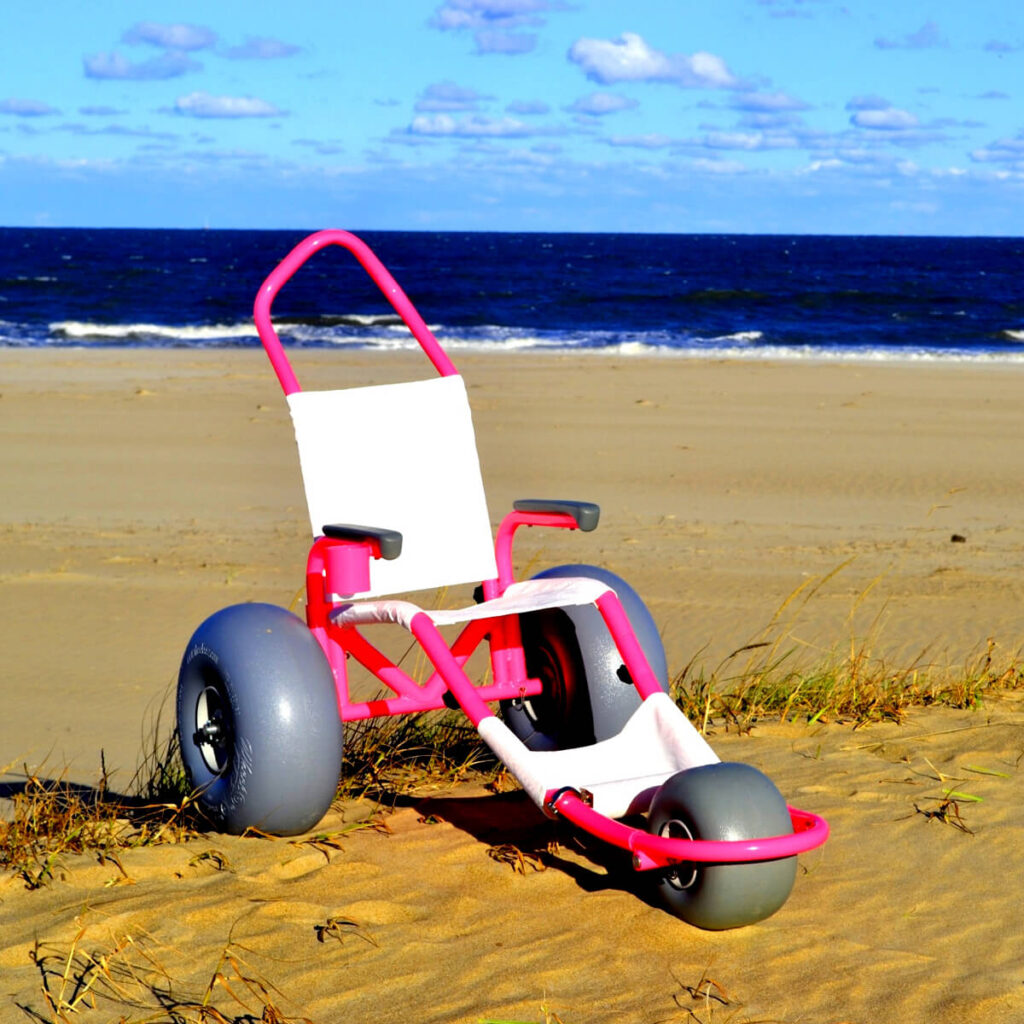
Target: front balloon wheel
724	801
261	737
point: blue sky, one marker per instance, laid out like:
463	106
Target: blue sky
808	116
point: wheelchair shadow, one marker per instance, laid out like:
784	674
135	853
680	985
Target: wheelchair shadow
62	791
50	806
513	828
517	832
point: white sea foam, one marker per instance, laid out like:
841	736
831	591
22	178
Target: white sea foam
377	332
740	337
810	353
743	347
128	332
374	319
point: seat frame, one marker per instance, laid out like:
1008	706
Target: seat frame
338	565
339	558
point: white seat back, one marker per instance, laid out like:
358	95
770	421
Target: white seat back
399	457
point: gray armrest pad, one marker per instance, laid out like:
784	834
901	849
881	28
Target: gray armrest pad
586	513
389	541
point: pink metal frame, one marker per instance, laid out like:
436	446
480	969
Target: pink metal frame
334	565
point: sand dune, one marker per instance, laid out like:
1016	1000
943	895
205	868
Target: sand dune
146	489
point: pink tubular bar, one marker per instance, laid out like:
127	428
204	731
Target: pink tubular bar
650	851
381	277
503	543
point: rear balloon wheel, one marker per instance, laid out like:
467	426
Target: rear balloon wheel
559	717
588	695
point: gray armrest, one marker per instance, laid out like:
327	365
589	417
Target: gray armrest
389	541
586	513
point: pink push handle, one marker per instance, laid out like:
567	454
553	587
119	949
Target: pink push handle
377	271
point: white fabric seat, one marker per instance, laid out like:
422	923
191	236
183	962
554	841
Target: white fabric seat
399	457
528	596
403	457
621	774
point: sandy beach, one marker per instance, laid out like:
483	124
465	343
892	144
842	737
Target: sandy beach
145	489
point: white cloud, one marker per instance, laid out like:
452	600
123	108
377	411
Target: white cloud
493	22
101	111
474	127
115	66
1001	46
598	104
116	129
630	59
890	119
26	108
448	97
816	166
724	167
652	140
511	43
1002	151
927	37
767	102
476	14
868	102
202	104
734	140
528	108
260	48
171	37
323	148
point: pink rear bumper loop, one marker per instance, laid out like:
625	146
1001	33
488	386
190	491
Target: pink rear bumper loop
651	852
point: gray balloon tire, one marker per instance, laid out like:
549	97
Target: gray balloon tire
282	743
607	697
726	800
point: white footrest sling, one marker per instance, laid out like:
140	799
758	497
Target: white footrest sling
528	596
656	742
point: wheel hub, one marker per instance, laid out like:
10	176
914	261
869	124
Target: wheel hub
213	729
683	875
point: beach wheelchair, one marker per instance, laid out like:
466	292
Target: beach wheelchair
584	719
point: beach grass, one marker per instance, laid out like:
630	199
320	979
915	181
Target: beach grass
853	687
772	677
386	760
133	970
391	757
52	818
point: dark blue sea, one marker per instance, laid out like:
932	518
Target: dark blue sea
703	295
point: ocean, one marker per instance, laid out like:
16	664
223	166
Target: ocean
752	296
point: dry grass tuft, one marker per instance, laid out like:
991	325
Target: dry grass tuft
856	689
764	678
391	757
53	818
520	861
125	972
550	1017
